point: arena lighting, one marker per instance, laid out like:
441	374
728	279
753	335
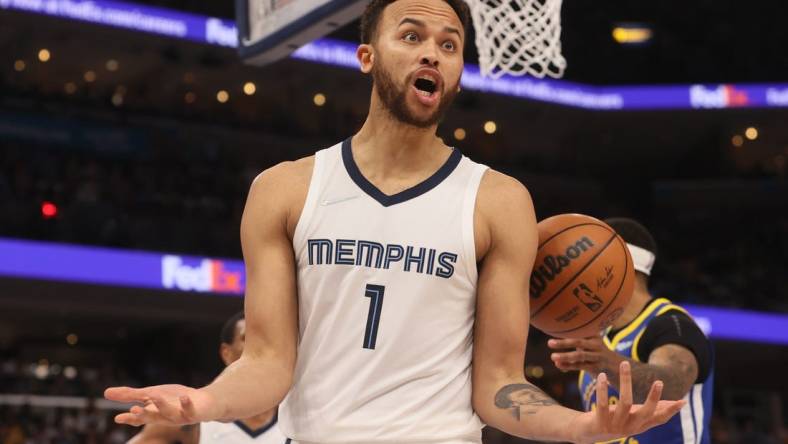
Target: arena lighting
117	99
70	87
112	65
459	134
249	88
70	372
44	55
48	210
89	76
319	99
138	269
41	371
19	65
222	96
490	127
220	32
751	133
737	141
632	34
72	339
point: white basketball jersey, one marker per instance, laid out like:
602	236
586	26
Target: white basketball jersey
238	433
387	294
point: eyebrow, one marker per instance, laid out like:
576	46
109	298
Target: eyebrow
421	24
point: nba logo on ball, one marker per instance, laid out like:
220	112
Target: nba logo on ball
583	276
208	275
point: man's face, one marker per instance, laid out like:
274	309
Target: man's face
232	352
521	397
418	60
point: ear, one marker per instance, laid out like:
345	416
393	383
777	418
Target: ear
366	57
226	354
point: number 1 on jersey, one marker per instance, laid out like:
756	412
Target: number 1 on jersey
375	294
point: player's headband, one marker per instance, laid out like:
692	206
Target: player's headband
642	258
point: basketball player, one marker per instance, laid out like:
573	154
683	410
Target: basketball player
365	305
259	429
659	340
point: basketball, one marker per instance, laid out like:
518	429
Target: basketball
583	277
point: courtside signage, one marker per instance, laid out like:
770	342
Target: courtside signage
142	269
116	267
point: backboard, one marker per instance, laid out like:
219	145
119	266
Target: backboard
269	30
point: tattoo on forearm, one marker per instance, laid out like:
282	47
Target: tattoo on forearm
677	379
522	399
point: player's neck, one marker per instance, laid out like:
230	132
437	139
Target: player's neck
255	422
385	147
640	297
387	130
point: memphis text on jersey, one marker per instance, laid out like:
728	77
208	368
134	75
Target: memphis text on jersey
362	253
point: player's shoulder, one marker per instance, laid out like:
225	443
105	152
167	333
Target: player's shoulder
500	193
283	174
504	212
283	183
278	194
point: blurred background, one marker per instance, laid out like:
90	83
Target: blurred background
127	149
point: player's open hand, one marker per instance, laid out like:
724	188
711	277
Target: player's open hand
169	404
623	419
589	354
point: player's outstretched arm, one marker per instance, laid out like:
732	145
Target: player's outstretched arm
503	398
260	379
673	364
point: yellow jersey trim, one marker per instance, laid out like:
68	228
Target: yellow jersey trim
661	311
638	320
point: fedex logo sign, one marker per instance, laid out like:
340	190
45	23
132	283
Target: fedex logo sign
206	275
217	32
723	96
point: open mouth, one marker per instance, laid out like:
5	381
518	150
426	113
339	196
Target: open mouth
425	86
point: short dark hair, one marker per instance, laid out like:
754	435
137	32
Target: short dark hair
227	334
633	232
371	16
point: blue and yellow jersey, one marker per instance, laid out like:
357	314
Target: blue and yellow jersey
691	424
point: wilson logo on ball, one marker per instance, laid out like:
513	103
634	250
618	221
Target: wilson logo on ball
553	265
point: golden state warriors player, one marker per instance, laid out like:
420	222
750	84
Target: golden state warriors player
380	268
660	341
259	429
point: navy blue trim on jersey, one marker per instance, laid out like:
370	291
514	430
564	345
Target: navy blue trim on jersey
255	433
415	191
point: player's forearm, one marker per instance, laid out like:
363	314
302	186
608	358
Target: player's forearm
522	409
643	377
250	386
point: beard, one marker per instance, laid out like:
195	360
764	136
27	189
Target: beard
394	99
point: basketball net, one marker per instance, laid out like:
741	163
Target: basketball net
518	37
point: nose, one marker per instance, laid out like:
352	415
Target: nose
432	61
430	55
